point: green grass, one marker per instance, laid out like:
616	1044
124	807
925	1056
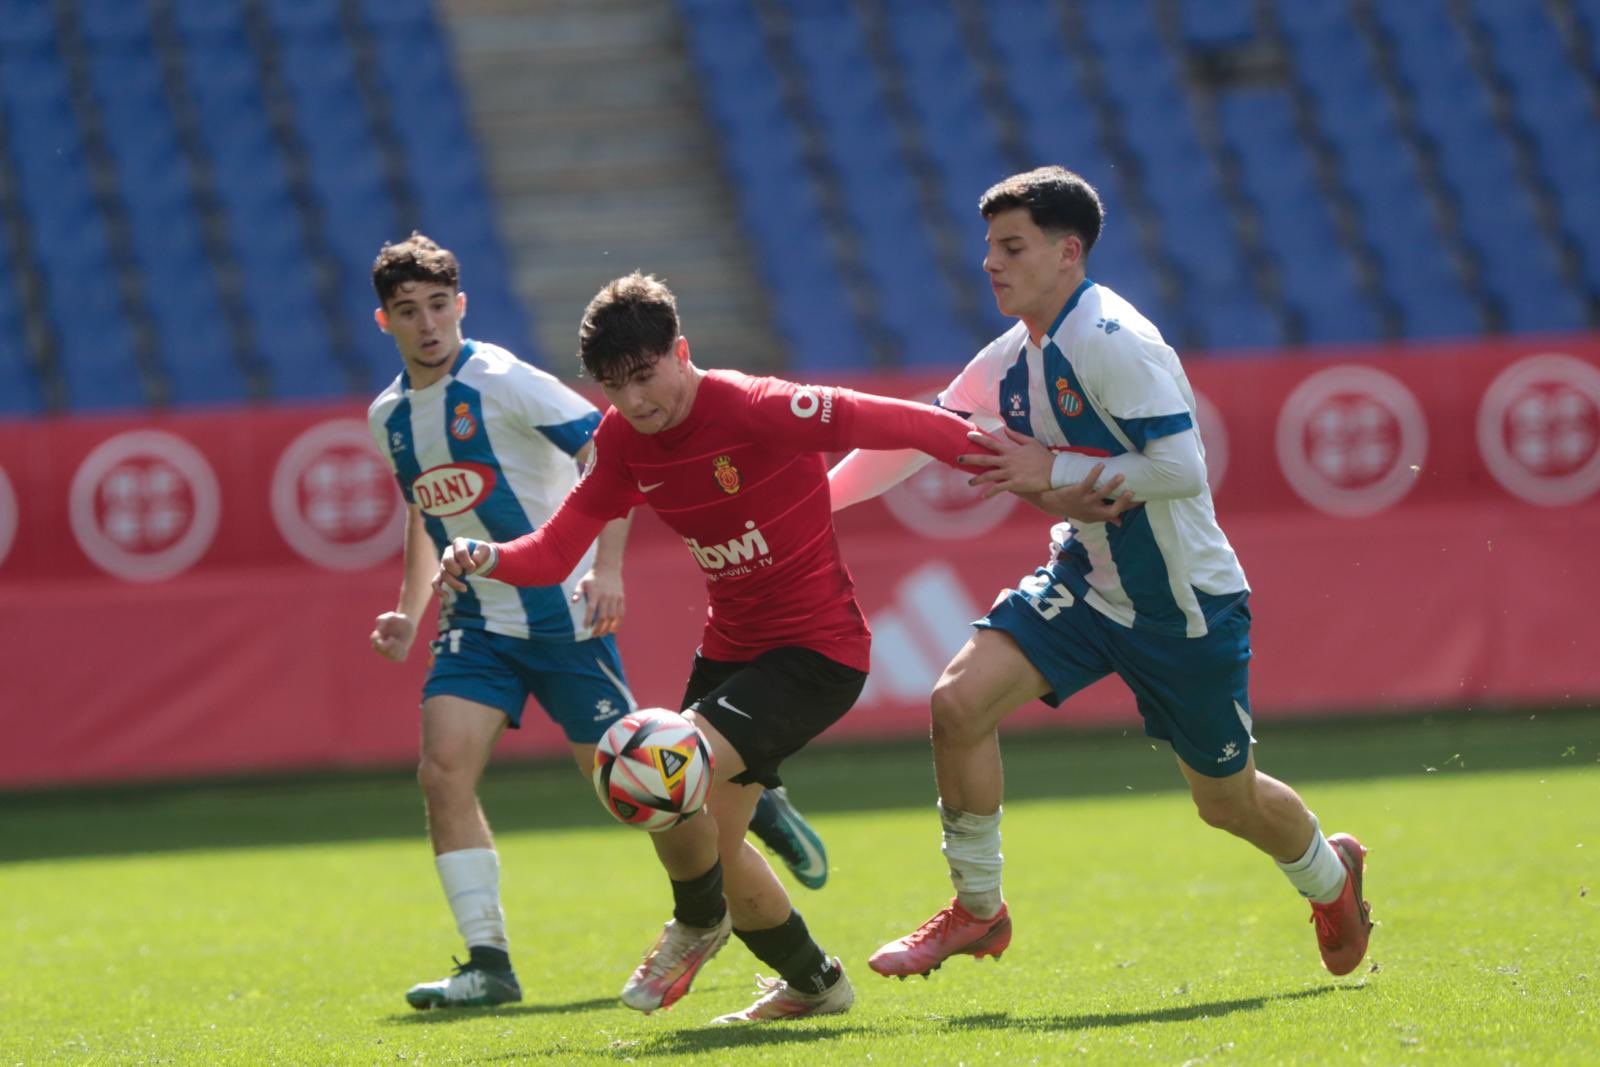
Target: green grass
278	922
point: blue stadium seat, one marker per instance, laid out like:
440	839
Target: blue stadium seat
200	21
26	25
303	17
19	389
1218	23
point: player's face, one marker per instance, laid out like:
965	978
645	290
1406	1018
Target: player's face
658	395
424	318
1031	272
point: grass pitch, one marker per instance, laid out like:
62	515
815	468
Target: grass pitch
280	922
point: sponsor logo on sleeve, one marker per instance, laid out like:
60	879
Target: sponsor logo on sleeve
1539	429
451	488
809	400
145	505
1351	440
334	499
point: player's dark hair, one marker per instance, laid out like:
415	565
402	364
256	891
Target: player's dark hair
416	259
631	322
1057	200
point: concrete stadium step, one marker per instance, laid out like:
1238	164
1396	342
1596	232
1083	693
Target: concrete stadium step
602	161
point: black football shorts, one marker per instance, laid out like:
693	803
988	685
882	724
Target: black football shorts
770	707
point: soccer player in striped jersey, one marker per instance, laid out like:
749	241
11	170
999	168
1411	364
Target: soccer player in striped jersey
1099	429
484	445
732	464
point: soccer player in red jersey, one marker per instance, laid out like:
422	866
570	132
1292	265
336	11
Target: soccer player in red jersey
733	464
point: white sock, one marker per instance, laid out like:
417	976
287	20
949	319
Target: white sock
1319	874
972	849
471	880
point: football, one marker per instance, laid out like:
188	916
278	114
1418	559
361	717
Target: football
653	769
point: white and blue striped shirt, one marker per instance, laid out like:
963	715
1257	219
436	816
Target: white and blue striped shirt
1105	382
486	452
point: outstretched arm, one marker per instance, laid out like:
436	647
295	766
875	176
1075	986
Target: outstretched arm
543	557
1168	468
863	475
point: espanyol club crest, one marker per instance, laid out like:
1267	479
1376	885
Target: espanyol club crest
727	475
462	425
1070	403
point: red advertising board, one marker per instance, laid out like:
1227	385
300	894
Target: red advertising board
191	594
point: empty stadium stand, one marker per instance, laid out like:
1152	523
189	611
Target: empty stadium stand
192	191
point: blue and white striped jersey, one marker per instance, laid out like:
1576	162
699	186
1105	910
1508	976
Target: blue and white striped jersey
486	452
1105	383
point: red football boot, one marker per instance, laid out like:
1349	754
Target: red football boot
1343	925
951	931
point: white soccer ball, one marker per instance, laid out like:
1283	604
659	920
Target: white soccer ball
653	769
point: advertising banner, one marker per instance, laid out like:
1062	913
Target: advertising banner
191	594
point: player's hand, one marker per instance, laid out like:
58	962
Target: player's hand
1087	501
603	591
1018	463
464	556
392	636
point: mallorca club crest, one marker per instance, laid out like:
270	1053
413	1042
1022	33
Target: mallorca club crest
462	425
1070	403
727	474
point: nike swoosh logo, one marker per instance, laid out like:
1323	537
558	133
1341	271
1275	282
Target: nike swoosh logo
652	486
723	702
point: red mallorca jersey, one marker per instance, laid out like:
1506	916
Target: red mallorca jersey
743	482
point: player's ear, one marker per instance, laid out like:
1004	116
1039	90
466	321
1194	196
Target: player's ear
461	305
1071	249
381	317
680	349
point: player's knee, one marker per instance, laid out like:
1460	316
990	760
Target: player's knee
956	718
1230	812
441	775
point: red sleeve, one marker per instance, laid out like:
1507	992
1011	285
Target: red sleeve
547	555
829	419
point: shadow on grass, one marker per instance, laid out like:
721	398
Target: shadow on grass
705	1039
331	807
438	1016
1093	1021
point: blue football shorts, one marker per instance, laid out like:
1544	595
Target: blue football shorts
1192	692
580	685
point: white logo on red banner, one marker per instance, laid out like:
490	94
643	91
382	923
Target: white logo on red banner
1539	429
1214	436
8	515
937	502
917	633
145	505
1351	440
334	499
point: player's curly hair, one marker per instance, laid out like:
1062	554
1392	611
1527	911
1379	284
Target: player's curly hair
1057	200
631	322
416	259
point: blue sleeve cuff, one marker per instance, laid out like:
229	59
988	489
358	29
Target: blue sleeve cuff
572	436
1142	431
